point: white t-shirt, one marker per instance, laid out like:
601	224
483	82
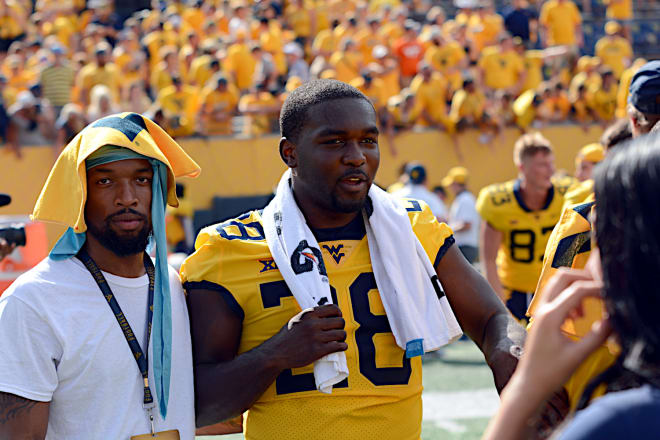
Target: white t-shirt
420	192
463	209
61	343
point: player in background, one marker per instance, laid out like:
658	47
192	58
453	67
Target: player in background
518	218
570	242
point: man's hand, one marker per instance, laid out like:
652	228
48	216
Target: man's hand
5	248
318	333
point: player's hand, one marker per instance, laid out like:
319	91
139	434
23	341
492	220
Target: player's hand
5	248
319	332
551	356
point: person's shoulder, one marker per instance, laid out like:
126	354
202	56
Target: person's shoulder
496	195
245	229
39	282
618	415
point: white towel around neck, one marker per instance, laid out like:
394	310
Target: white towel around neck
421	319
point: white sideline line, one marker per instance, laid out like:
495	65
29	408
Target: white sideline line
444	407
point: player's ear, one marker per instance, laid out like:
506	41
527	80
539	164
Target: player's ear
288	153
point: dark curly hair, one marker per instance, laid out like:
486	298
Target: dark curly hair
294	111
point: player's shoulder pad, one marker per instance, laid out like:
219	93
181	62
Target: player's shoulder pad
562	184
246	228
495	196
416	209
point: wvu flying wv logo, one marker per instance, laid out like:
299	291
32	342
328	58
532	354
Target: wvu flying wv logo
335	251
268	265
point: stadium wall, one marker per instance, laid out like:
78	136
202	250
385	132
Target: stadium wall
241	167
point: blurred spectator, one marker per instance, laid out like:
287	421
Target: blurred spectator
57	80
501	67
409	51
180	103
296	62
525	108
468	108
105	18
586	160
161	76
448	58
260	108
387	70
430	89
347	61
415	188
99	72
602	99
135	99
101	103
402	114
69	123
219	103
464	219
240	63
621	11
614	50
4	117
27	126
374	89
13	22
522	21
265	70
580	106
561	23
238	23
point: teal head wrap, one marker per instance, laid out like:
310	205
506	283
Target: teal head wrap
71	242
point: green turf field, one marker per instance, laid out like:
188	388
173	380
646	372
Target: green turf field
459	396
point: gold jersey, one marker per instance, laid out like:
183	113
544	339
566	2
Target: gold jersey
570	246
524	232
382	382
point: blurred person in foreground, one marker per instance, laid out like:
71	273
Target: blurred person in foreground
625	273
464	219
247	346
570	243
518	218
67	322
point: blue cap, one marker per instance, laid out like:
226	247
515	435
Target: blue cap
416	172
644	91
57	49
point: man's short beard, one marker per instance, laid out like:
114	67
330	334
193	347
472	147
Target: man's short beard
122	246
346	206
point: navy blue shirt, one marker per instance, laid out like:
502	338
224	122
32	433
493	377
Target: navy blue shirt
632	414
517	21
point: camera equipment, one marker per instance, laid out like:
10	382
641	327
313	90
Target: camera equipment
14	234
5	199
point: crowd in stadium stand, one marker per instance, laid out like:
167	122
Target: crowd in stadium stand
225	67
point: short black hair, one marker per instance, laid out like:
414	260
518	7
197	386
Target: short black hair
293	115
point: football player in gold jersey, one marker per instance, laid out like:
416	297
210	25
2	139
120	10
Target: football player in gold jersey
518	218
245	355
570	242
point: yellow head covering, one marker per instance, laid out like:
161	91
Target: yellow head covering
62	199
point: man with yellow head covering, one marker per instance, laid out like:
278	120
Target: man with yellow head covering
72	367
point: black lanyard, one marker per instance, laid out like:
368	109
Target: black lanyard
140	356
